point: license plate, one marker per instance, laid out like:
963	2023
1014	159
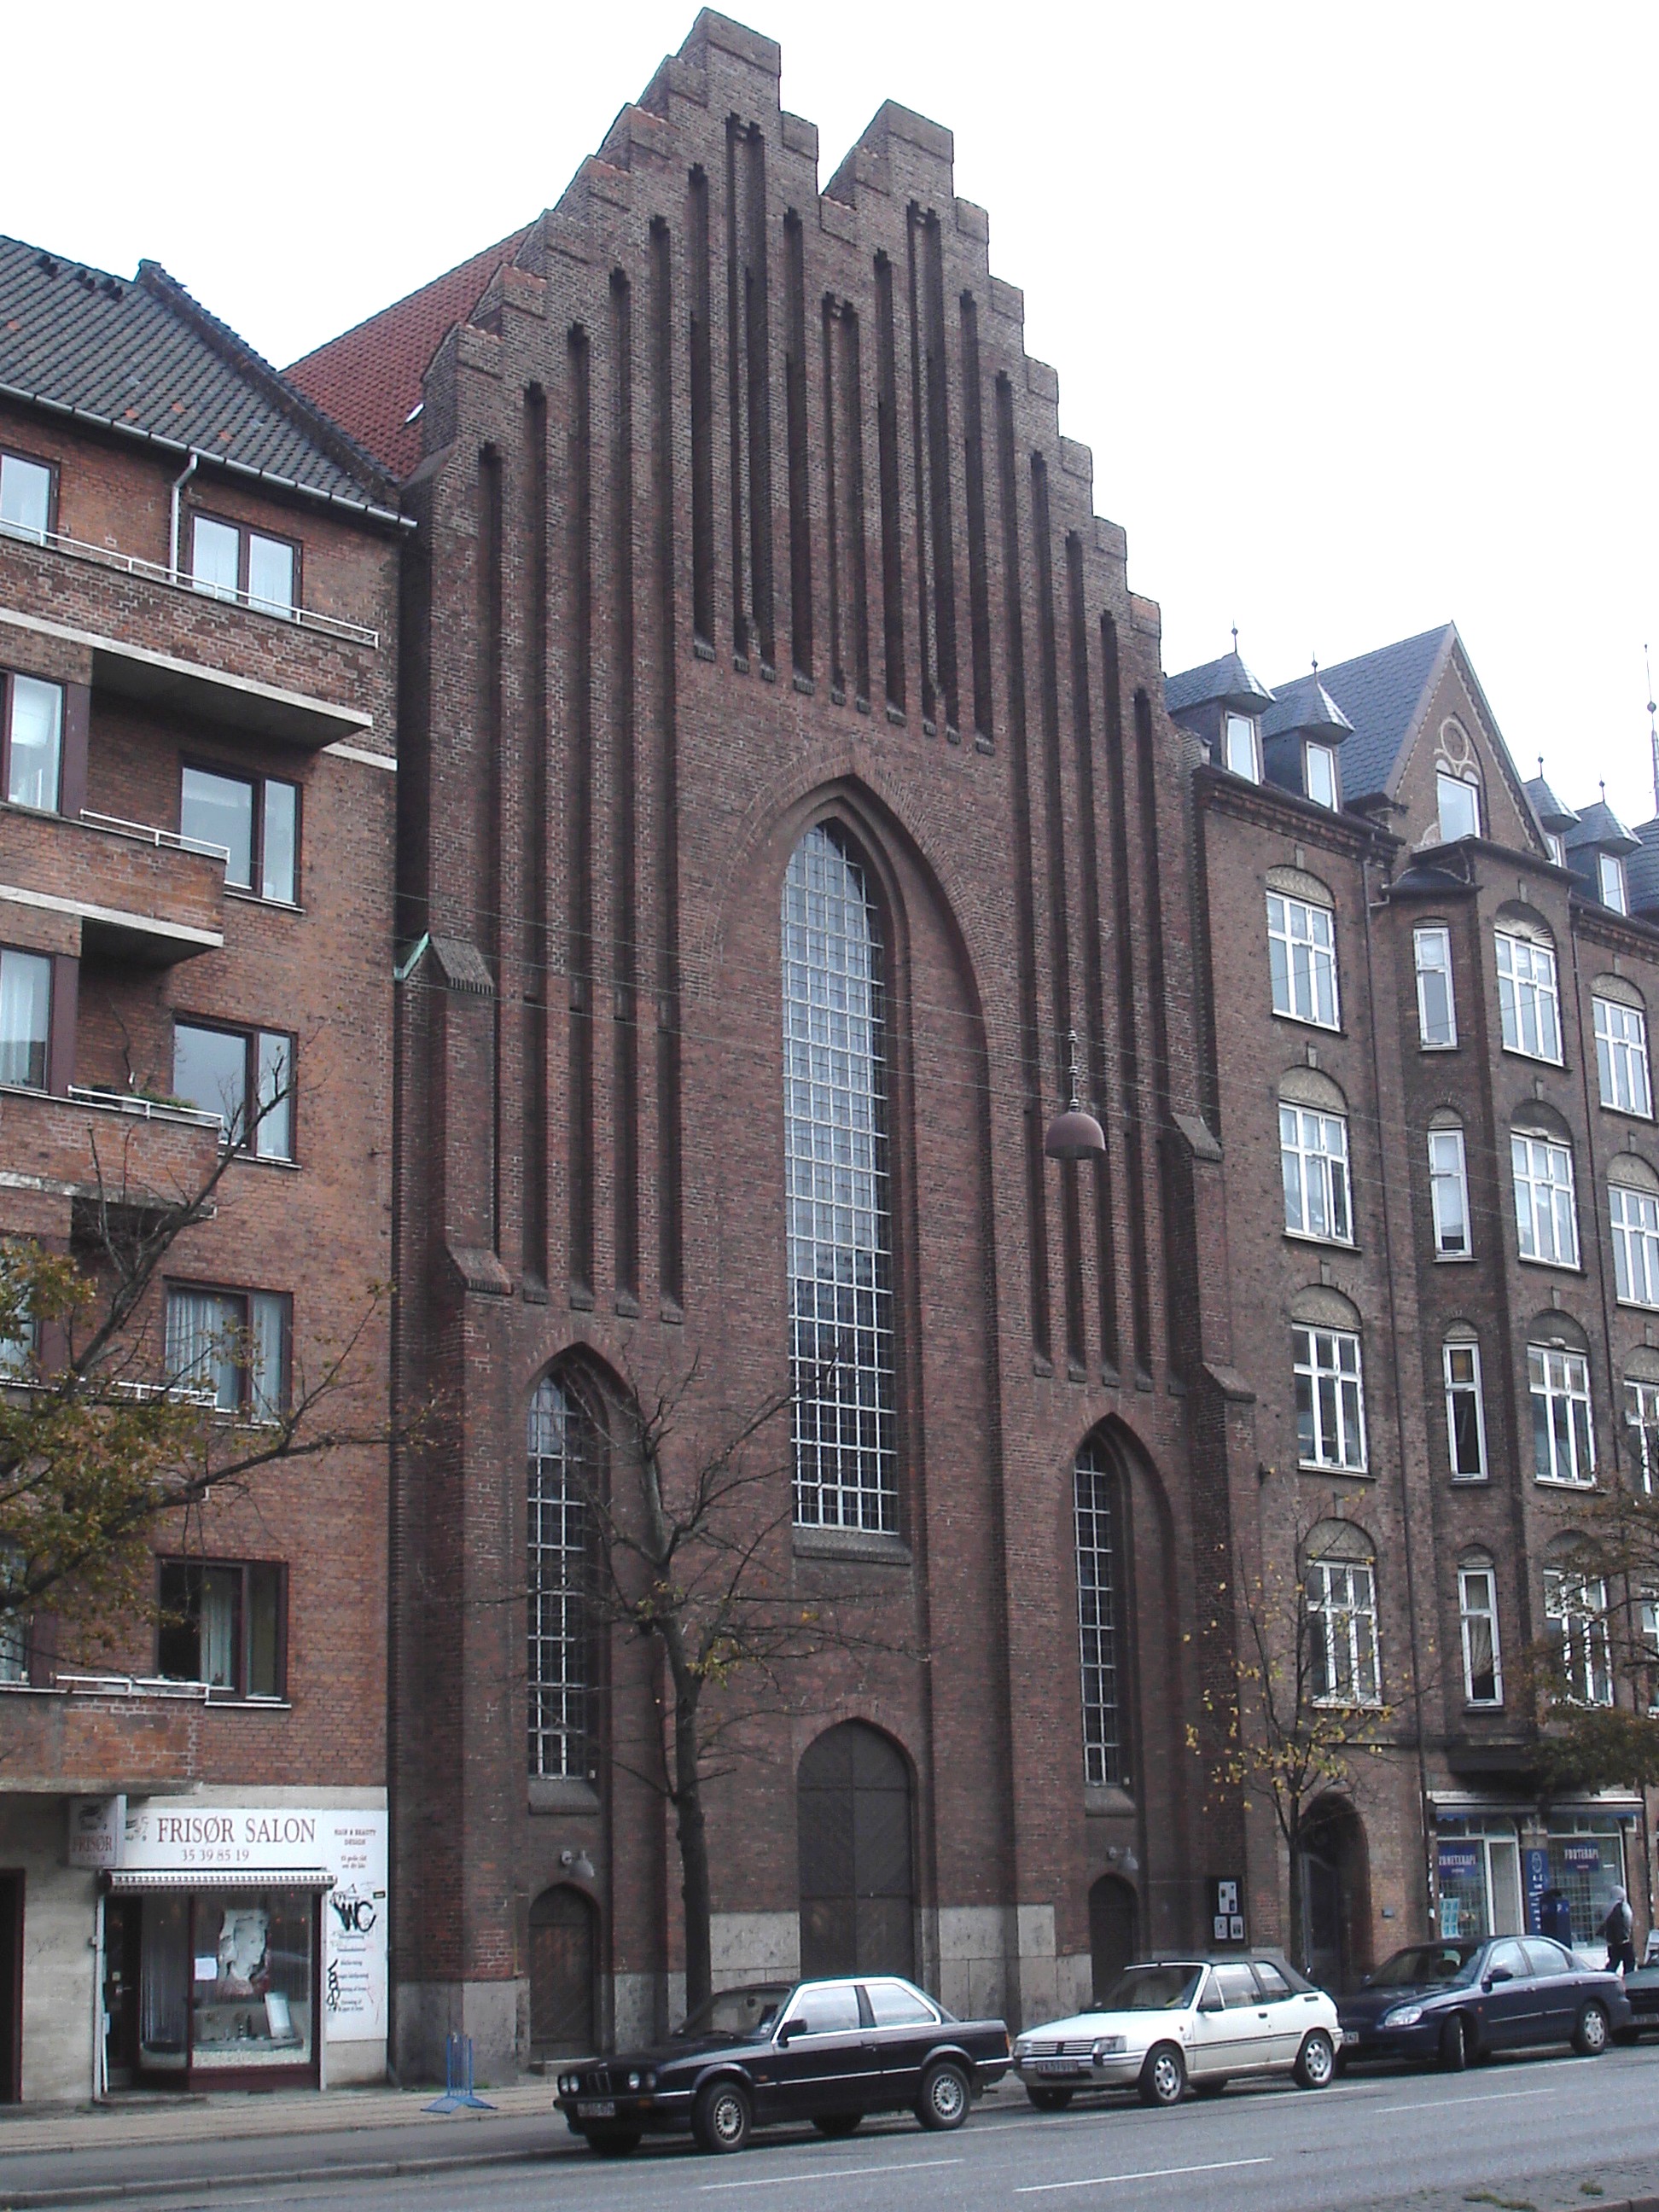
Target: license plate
1058	2066
597	2108
1349	2035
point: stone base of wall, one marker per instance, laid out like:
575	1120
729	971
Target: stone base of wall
495	2014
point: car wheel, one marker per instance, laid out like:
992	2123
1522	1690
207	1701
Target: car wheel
613	2142
944	2096
721	2117
1589	2034
835	2125
1315	2062
1212	2086
1048	2101
1164	2077
1453	2044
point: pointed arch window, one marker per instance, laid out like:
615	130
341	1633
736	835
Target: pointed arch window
839	1223
1100	1609
562	1456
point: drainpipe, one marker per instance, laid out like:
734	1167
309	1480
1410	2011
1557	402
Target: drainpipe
179	482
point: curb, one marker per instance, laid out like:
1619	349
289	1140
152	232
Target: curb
375	2169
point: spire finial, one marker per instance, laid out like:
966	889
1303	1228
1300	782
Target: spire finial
1653	726
1541	767
1235	637
1315	663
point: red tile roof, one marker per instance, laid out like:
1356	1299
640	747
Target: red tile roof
368	379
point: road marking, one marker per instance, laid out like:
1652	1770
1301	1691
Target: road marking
1148	2173
830	2173
1481	2097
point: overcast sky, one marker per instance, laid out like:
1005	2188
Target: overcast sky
1355	305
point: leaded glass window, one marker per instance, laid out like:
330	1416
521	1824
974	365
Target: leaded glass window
1099	1613
563	1458
839	1225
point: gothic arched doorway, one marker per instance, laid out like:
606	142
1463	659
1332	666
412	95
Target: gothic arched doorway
1113	1922
1335	1896
854	1822
562	1964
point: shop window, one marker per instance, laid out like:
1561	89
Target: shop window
1546	1208
1448	1192
244	1076
1302	957
253	820
1587	1864
222	1622
25	1017
1466	1419
226	1982
1479	1880
1437	1007
1477	1607
1330	1405
232	561
230	1349
32	725
1621	1057
25	497
1313	1153
1576	1618
1563	1431
1529	1005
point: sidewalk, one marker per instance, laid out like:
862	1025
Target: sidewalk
226	2115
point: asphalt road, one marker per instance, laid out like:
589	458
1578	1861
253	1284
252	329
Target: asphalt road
1532	2134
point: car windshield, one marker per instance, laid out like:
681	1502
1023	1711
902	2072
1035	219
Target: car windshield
1150	1988
1426	1965
738	2014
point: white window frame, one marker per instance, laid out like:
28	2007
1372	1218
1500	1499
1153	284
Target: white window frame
559	1657
1641	1420
1545	1198
1634	1215
1575	1610
1432	939
1528	998
1454	1351
1564	1447
1449	1178
1098	1522
1341	1595
1445	778
1325	755
1476	1606
1313	1159
1304	980
1329	1368
1610	882
1240	730
1622	1058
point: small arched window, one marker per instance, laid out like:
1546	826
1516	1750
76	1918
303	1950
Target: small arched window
1633	1210
563	1458
1340	1580
1313	1153
1449	1185
1621	1046
1477	1610
1330	1393
1545	1200
1641	1380
1098	1515
1529	997
839	1223
1466	1416
1302	947
1558	1384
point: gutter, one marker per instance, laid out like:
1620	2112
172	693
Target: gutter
179	484
154	438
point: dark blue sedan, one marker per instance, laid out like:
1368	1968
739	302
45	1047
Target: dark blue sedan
1455	2001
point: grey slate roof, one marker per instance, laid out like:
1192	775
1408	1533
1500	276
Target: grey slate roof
1227	679
1380	693
1553	812
1599	826
1306	706
142	355
1642	869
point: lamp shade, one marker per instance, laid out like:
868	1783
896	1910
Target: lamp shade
1074	1136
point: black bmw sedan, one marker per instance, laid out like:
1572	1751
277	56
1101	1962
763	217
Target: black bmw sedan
826	2051
1455	2001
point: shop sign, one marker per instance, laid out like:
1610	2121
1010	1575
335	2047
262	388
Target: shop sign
183	1834
1583	1852
97	1830
1535	1866
1460	1862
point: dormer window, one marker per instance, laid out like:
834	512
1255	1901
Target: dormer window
1555	849
1243	756
1459	807
1610	874
1319	774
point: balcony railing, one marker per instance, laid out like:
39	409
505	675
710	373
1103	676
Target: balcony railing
132	1685
157	573
172	841
145	1110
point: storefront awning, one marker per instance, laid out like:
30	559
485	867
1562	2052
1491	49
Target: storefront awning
121	1879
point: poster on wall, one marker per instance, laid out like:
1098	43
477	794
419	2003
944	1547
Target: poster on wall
184	1835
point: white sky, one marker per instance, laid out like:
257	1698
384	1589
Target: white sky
1356	305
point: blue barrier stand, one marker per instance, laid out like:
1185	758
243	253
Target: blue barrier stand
458	2066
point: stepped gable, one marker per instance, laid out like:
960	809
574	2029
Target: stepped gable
368	379
140	354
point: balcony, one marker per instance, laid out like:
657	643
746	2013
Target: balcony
300	677
102	1736
141	895
71	1147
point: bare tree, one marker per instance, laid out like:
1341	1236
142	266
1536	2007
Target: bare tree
100	1436
1294	1716
690	1549
1594	1678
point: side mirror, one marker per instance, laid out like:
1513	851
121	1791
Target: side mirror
1498	1974
1212	2003
790	2029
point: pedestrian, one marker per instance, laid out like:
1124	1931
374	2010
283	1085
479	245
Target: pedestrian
1618	1928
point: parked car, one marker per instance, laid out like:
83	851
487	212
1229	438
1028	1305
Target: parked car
1642	1994
1168	2021
1456	2001
828	2051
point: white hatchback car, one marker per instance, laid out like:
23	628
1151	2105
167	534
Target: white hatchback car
1171	2021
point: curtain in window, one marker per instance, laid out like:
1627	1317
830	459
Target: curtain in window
25	1016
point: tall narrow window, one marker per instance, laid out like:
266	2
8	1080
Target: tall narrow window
1575	1610
1466	1419
563	1458
1243	756
1546	1216
1610	874
1341	1595
838	1221
1621	1057
1449	1190
1302	956
1477	1607
1313	1153
1099	1613
25	1017
1437	1005
1642	1422
1330	1405
1319	774
33	712
1528	1007
1563	1432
